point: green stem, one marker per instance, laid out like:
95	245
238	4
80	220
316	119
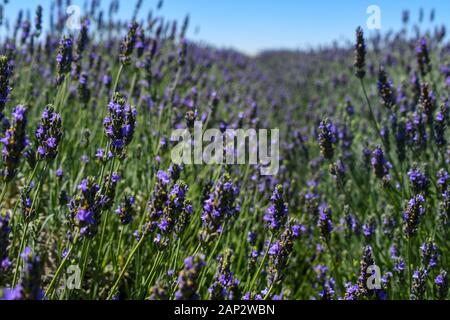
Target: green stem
132	253
258	272
410	265
22	241
60	267
5	186
377	128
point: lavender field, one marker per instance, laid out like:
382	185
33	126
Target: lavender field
93	205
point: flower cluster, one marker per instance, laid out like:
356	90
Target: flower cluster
427	102
219	208
29	286
86	207
440	125
5	74
444	212
325	223
441	282
327	138
414	210
119	124
175	216
418	286
128	44
276	214
367	262
84	93
125	210
423	57
14	142
188	278
360	54
430	254
48	134
379	164
225	285
38	21
279	253
109	189
385	89
64	59
419	181
4	243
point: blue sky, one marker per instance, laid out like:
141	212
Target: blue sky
255	25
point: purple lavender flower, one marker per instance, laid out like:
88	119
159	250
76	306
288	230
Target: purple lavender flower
225	285
443	179
109	190
440	125
419	181
360	54
119	124
125	210
325	223
379	163
86	207
219	208
351	291
423	58
29	286
103	156
159	291
5	74
385	89
48	134
430	254
418	286
188	278
26	28
367	261
158	200
83	39
326	138
369	228
5	230
279	253
427	102
163	177
351	223
276	214
14	142
175	171
128	44
84	93
64	59
441	282
11	294
444	212
175	214
414	210
327	292
399	266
